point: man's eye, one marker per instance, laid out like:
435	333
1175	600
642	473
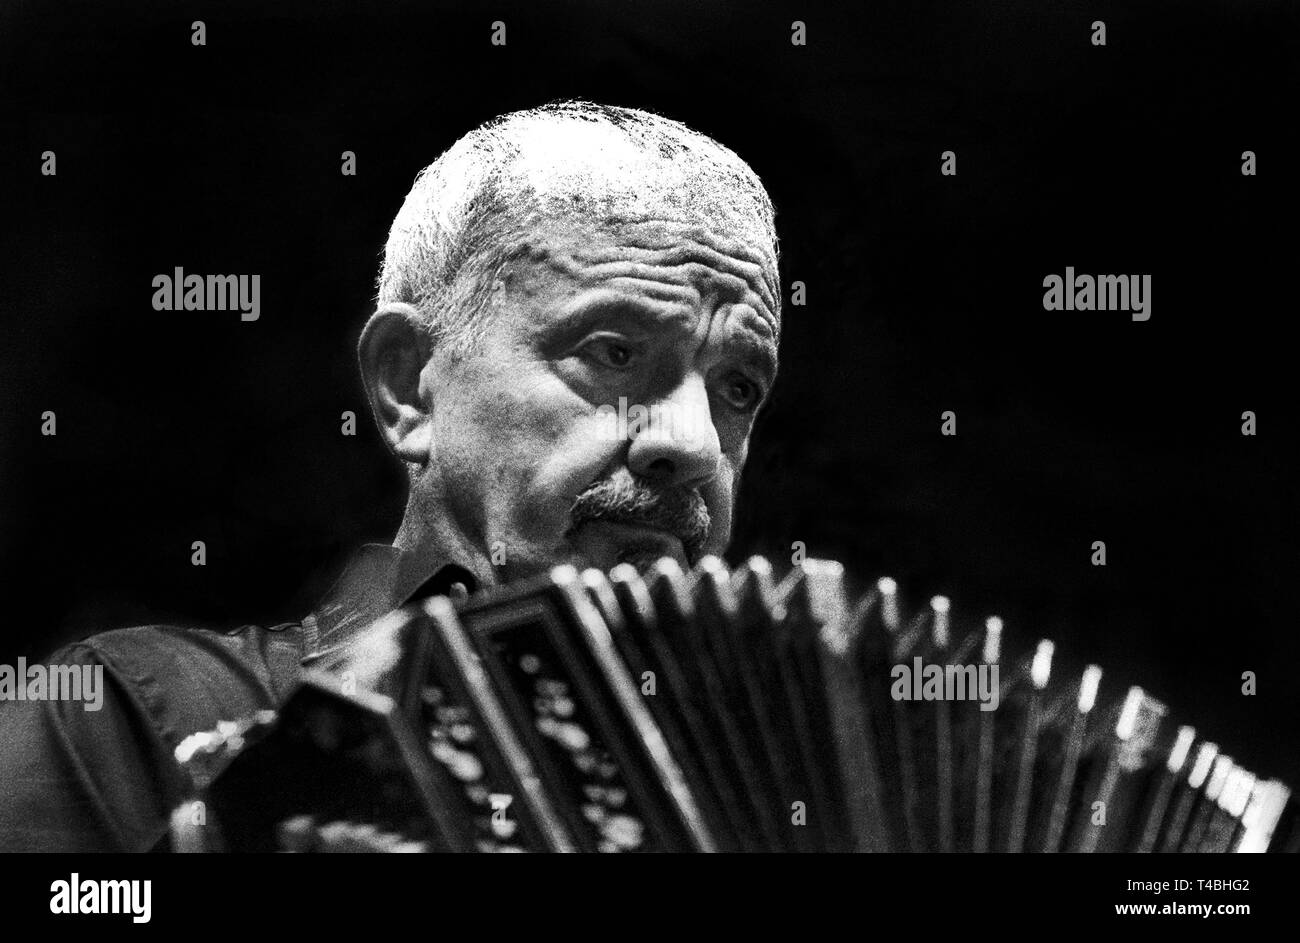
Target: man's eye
743	394
610	353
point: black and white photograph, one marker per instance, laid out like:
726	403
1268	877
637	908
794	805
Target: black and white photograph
650	427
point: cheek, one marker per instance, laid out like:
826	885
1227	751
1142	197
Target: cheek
572	450
720	496
524	445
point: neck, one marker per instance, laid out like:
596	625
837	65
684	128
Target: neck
430	539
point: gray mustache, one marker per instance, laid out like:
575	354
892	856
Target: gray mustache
680	511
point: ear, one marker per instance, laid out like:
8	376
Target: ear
393	351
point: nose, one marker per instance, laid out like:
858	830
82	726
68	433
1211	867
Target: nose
677	445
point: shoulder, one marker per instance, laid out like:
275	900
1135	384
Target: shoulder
89	750
187	679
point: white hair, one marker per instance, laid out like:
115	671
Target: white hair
570	160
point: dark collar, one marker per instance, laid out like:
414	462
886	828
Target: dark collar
378	579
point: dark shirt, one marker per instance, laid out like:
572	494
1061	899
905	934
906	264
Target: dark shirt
73	779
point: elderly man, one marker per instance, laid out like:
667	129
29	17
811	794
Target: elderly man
552	267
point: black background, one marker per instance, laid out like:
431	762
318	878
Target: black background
924	295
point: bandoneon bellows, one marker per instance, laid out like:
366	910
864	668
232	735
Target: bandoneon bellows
715	710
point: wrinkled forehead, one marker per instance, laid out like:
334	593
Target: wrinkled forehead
672	260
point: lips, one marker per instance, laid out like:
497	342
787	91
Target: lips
636	533
608	543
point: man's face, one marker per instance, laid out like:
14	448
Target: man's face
605	417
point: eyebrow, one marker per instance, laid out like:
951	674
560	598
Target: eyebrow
756	338
603	303
759	352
